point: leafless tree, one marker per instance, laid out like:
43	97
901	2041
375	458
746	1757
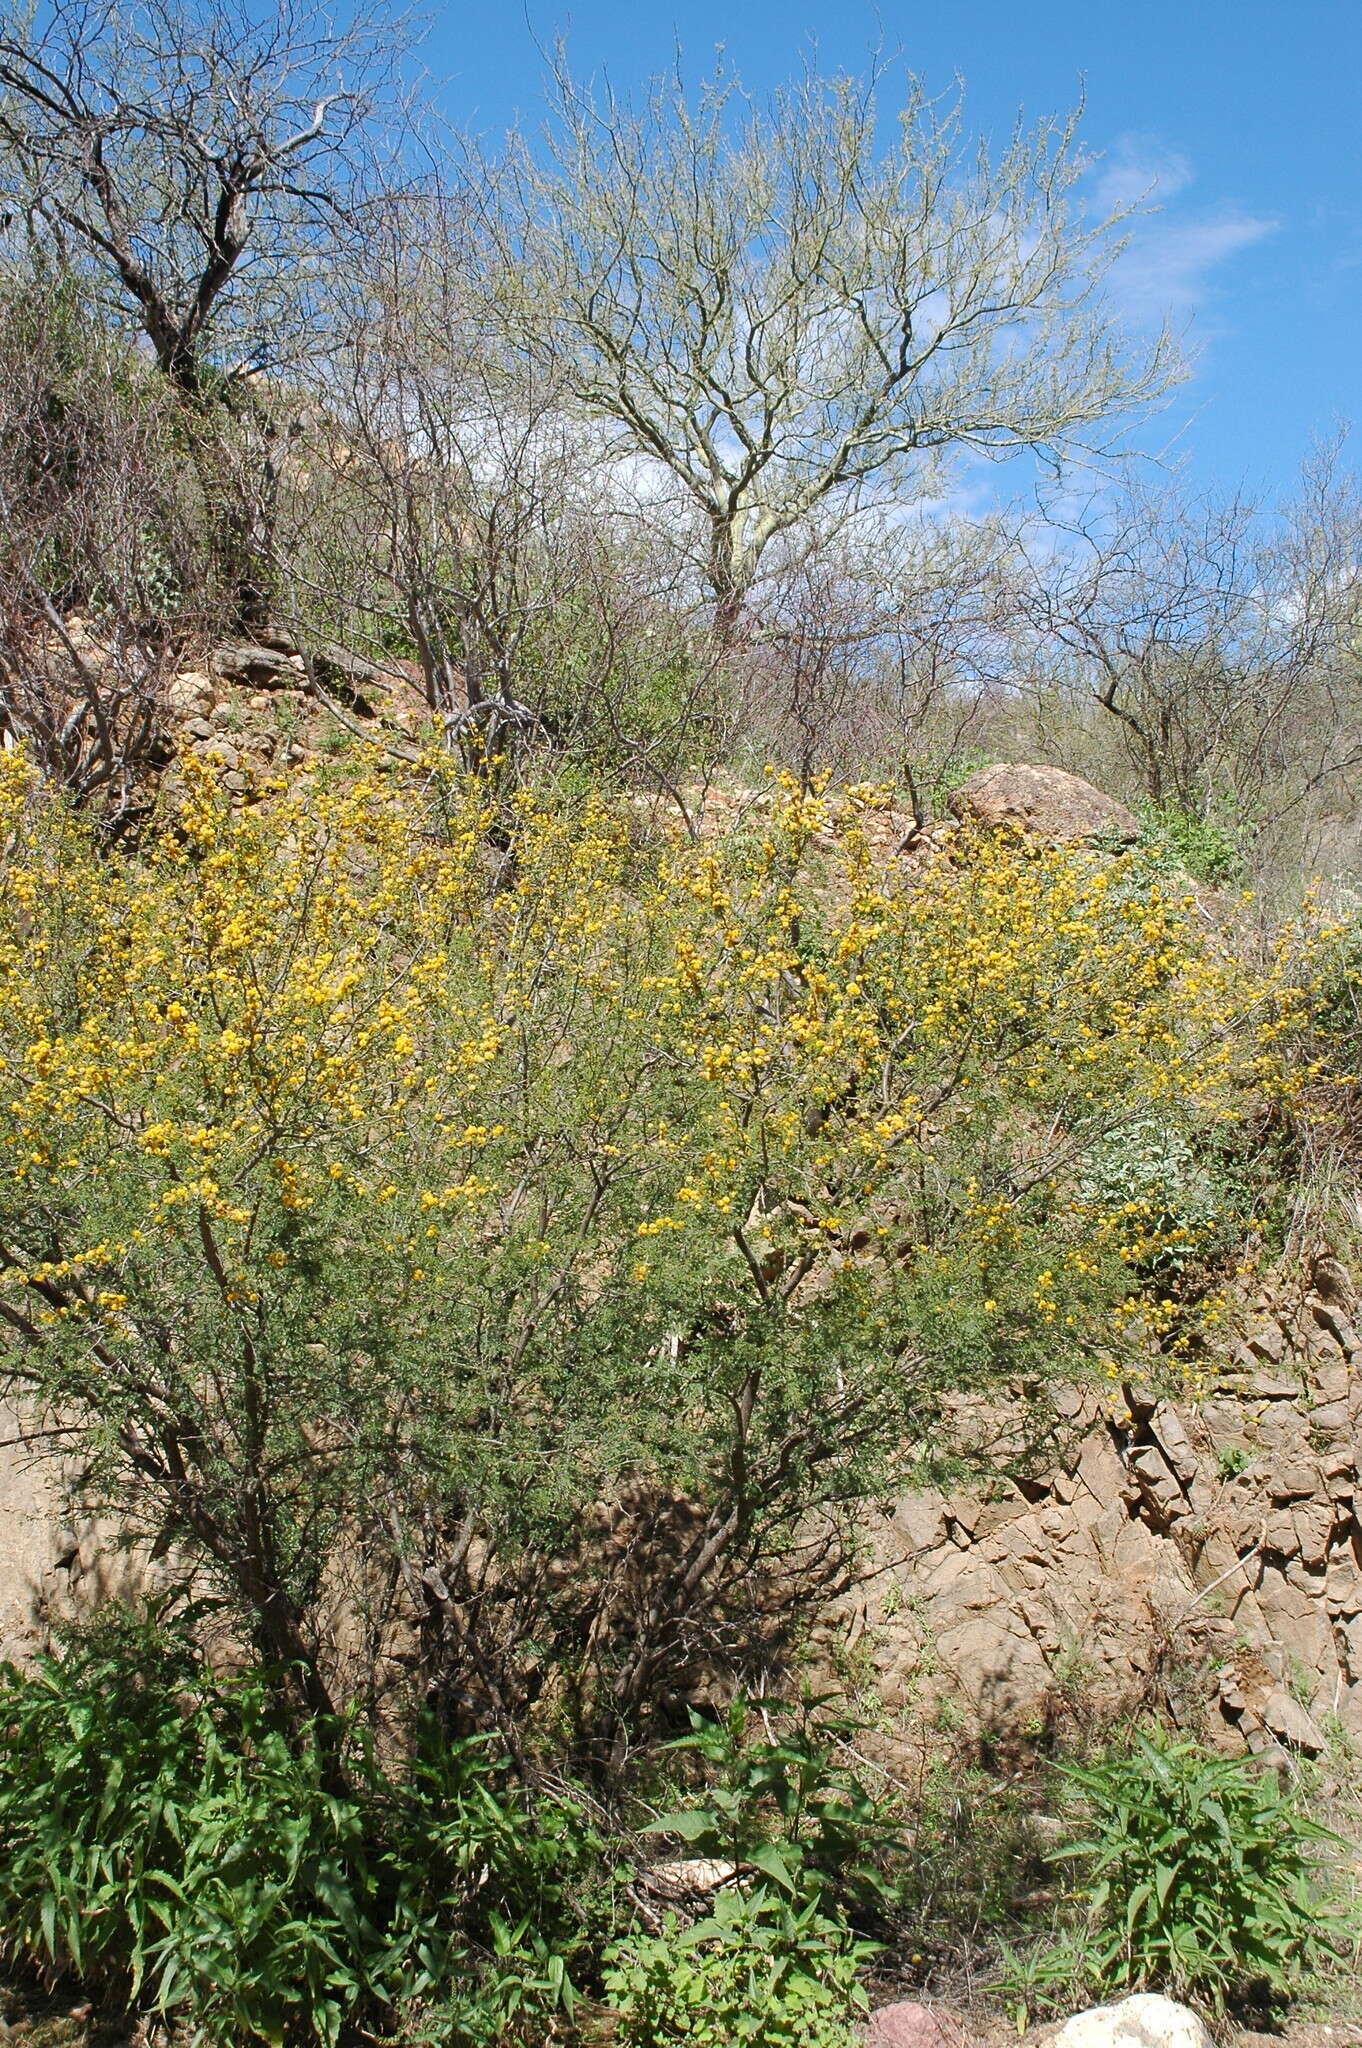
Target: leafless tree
200	172
99	556
870	652
197	165
459	527
1223	642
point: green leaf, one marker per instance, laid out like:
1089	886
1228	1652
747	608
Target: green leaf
768	1859
690	1823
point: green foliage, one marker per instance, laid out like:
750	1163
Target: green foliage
949	776
165	1841
774	1960
1205	843
761	1967
785	1807
974	1858
1201	1877
1338	1006
622	687
1184	1200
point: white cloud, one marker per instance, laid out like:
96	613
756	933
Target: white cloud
1168	269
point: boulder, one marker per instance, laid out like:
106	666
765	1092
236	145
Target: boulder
1046	801
681	1878
1145	2021
190	694
909	2025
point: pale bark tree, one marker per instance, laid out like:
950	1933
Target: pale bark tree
789	313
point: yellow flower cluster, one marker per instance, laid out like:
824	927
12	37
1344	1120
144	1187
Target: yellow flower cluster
792	1058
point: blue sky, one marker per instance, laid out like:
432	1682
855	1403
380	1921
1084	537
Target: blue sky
1245	119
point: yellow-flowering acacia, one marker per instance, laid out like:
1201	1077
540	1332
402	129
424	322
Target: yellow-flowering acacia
557	1228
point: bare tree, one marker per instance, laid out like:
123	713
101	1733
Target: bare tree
199	172
787	316
1223	642
459	527
196	164
99	554
870	652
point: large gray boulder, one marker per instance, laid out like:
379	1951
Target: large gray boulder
258	668
1046	801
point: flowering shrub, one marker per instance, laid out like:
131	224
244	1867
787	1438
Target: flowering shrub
544	1250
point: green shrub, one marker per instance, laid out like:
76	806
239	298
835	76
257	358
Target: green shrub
1187	1204
164	1841
787	1808
975	1857
1205	844
1201	1878
760	1967
942	782
774	1960
1338	1002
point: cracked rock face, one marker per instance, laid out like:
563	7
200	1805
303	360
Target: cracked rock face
1204	1559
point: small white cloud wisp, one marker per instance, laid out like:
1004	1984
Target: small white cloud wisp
1168	270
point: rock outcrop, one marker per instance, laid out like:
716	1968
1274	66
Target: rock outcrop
255	710
1201	1556
57	1561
